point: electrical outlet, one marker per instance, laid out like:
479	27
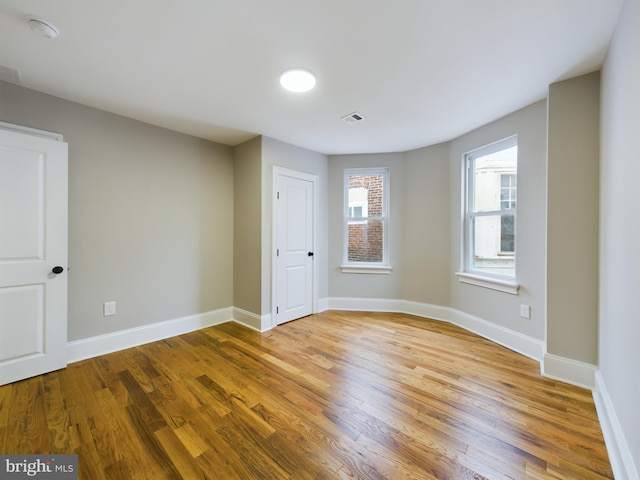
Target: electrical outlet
108	309
525	311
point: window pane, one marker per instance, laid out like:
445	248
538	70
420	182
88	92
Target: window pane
507	191
507	234
490	234
365	241
366	195
494	180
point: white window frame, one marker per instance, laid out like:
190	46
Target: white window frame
468	274
384	266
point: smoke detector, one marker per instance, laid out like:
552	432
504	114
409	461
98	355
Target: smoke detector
354	117
42	27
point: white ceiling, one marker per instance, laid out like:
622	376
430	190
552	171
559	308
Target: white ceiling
419	71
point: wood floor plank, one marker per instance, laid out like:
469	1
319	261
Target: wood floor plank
180	456
57	416
336	395
30	430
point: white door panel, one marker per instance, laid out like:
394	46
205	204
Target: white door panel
25	303
296	287
296	204
22	224
33	240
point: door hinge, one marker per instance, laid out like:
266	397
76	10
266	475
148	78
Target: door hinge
277	195
277	252
277	310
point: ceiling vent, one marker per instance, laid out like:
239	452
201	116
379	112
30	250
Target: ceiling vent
354	117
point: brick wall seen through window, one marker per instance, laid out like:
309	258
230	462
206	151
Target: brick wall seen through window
365	233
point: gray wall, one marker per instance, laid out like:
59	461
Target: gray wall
150	215
426	226
426	241
572	218
247	225
277	153
357	285
619	227
498	307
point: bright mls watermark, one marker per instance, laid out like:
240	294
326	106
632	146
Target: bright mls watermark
50	467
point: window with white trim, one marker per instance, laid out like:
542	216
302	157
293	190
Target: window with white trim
490	210
366	219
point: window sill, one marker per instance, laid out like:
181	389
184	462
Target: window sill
487	282
375	269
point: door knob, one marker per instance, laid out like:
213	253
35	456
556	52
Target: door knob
310	254
57	270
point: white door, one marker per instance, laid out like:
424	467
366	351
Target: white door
33	241
295	210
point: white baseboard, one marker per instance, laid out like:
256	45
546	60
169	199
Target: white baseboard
365	304
323	305
427	310
619	452
265	323
511	339
252	320
516	341
570	371
111	342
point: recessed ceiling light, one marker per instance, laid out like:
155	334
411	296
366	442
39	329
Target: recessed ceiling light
42	27
298	80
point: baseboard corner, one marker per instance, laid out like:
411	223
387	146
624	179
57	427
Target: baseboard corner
570	371
259	323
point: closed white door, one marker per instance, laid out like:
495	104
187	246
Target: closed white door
33	245
294	246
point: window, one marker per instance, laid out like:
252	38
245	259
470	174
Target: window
365	220
355	211
490	214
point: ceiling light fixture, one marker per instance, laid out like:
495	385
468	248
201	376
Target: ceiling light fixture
298	80
42	27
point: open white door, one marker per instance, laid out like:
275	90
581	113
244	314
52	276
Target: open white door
294	228
33	245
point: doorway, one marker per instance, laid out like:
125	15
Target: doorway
294	240
33	253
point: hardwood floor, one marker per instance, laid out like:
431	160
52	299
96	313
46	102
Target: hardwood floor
338	395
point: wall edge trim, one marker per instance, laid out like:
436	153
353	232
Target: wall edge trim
617	447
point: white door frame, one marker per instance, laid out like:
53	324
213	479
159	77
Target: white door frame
286	172
31	131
